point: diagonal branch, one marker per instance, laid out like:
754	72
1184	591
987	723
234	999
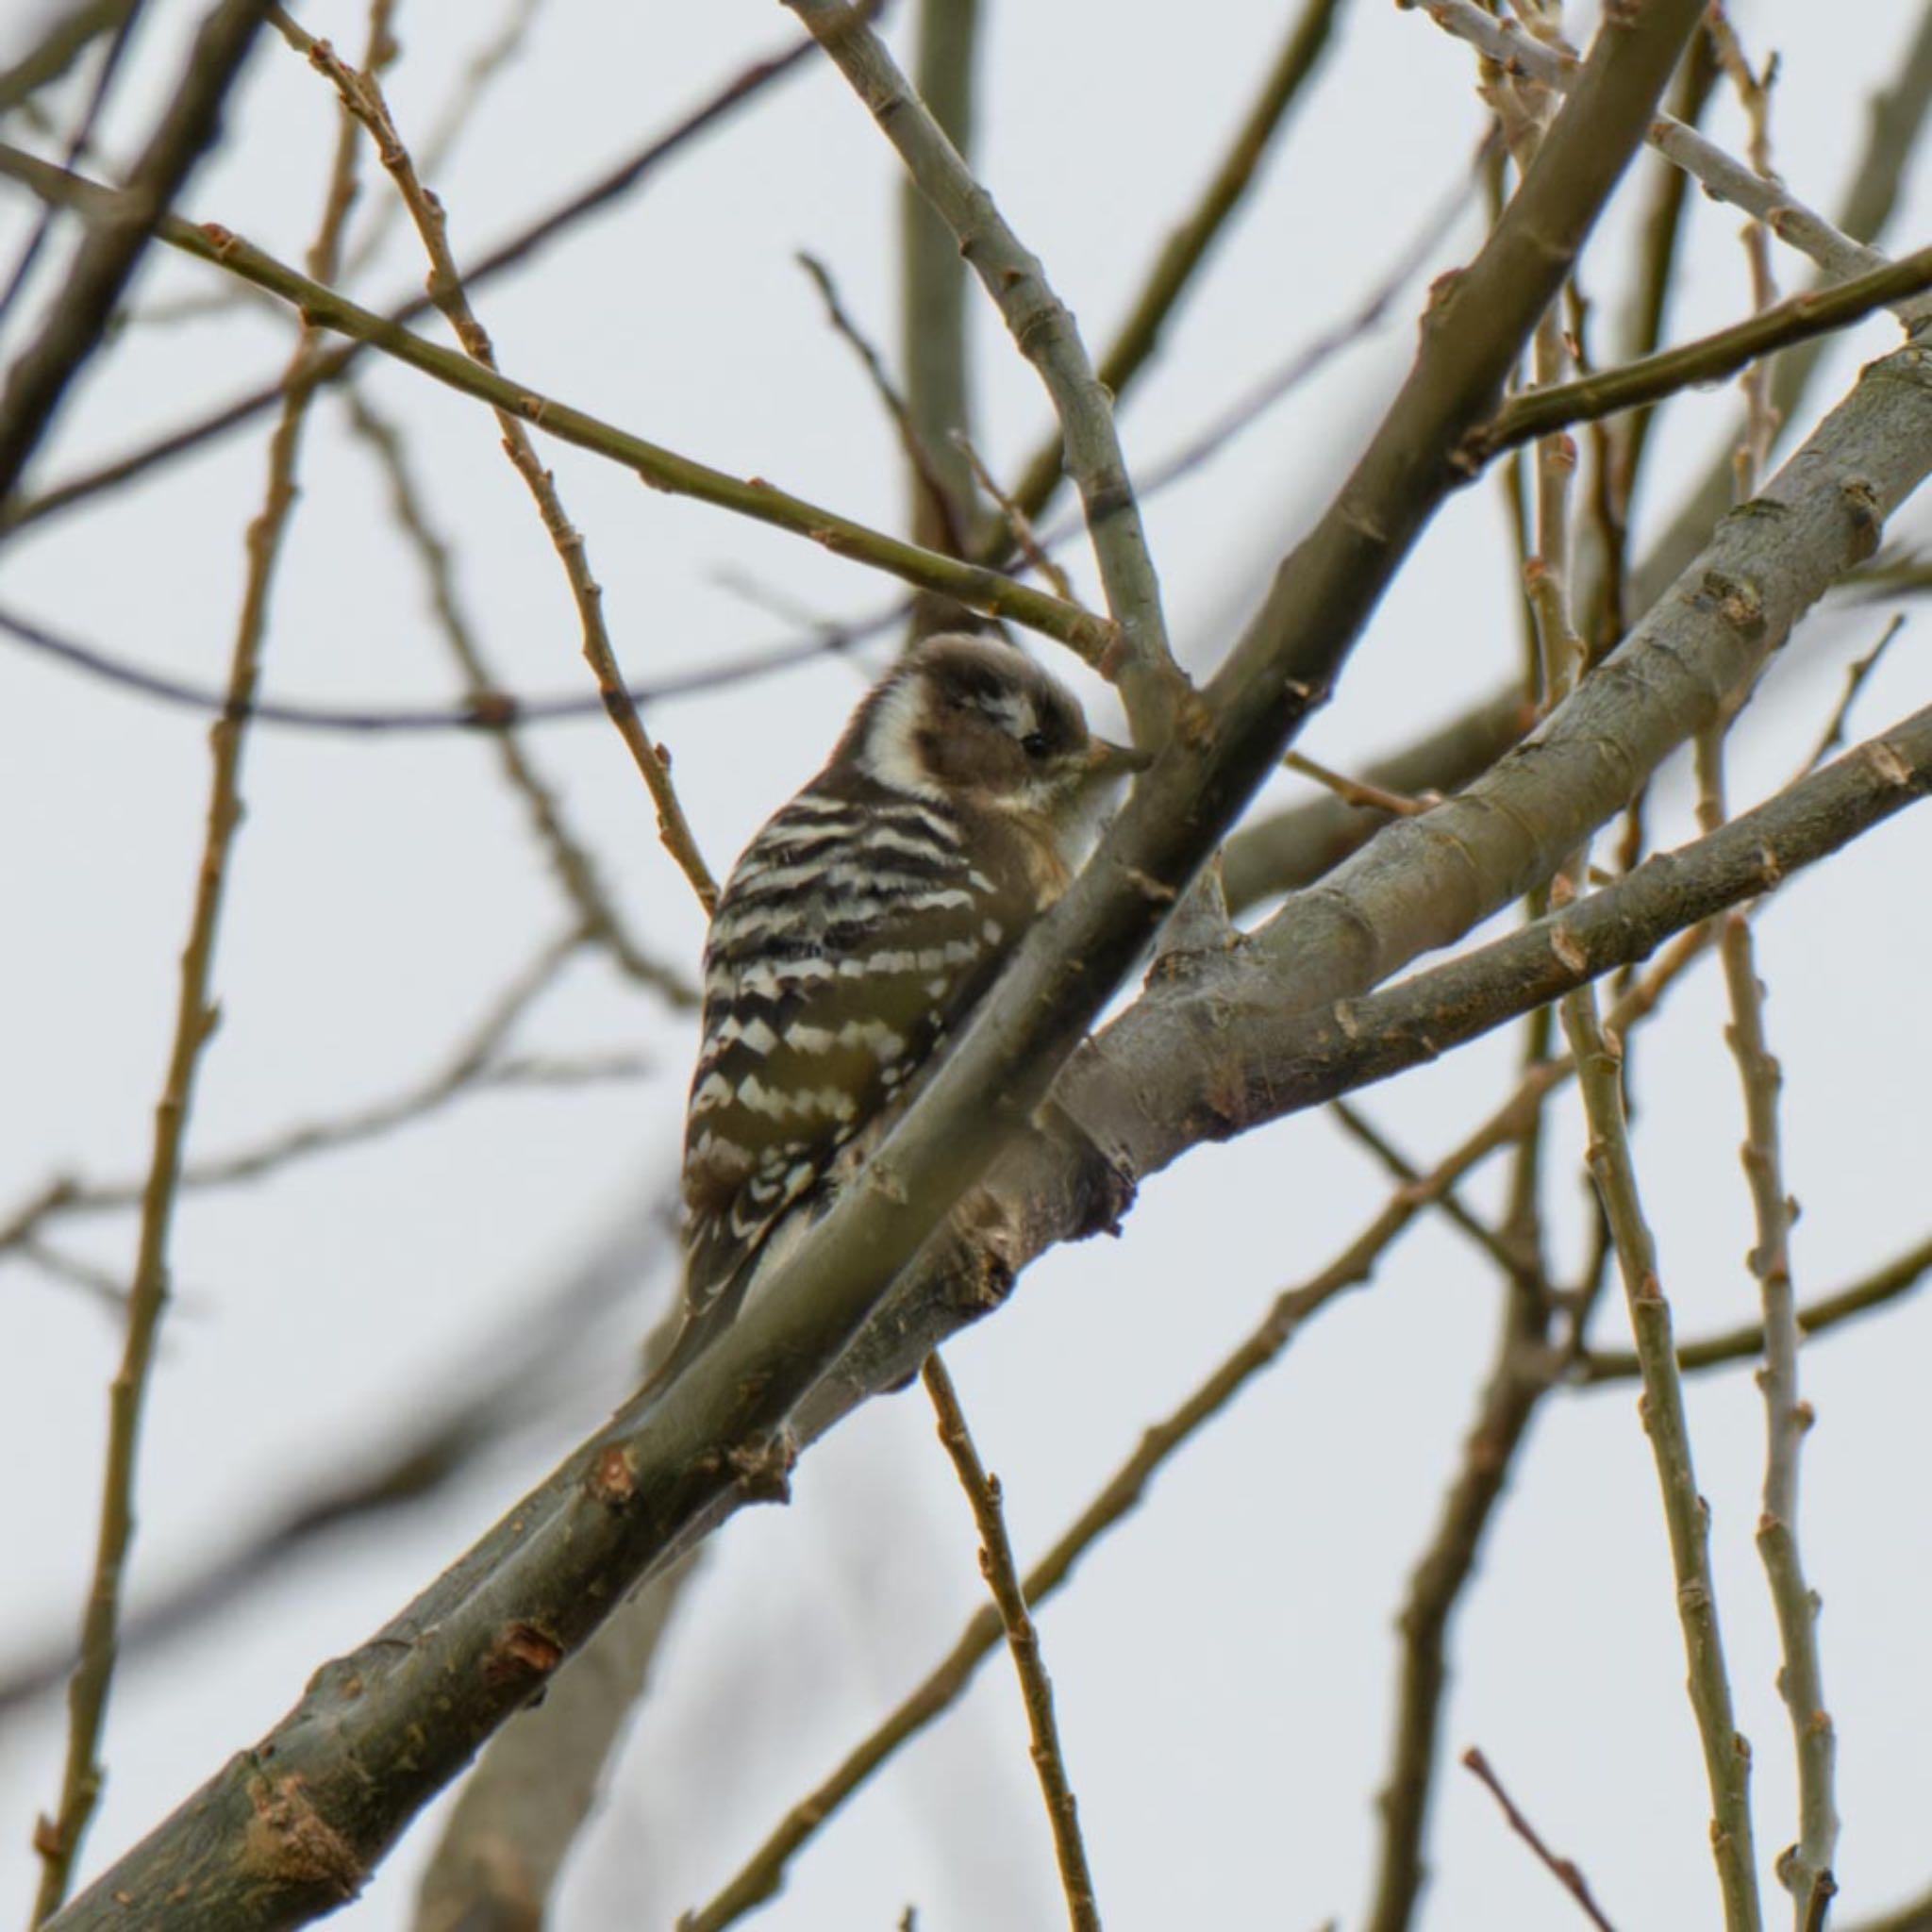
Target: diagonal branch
1023	1641
114	245
1139	335
1602	393
515	250
662	469
1045	333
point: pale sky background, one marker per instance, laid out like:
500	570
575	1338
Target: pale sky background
1223	1664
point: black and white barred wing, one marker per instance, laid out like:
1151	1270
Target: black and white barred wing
855	932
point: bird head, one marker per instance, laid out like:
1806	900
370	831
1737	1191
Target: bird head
972	721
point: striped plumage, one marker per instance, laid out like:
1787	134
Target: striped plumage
857	931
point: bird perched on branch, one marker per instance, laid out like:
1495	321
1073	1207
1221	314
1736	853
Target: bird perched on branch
857	933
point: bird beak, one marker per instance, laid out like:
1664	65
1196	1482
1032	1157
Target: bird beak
1103	759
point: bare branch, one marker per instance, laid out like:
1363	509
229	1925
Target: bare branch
1563	1870
78	317
742	88
1727	180
971	584
1883	1285
1045	333
1726	1755
1023	1641
763	1874
98	274
571	862
1172	273
1539	411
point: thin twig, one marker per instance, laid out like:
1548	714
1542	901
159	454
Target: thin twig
1348	332
1045	331
1360	793
1897	1277
1806	1867
1181	255
480	72
971	584
743	87
1524	1366
571	862
1021	533
1726	1756
1010	1596
1834	734
362	94
941	529
68	35
58	1839
1362	1130
1893	125
78	144
103	1285
490	711
500	1380
476	1063
77	317
1564	1871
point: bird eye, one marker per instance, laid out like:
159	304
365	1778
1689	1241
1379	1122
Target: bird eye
1034	745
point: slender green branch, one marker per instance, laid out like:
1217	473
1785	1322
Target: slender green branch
323	308
1539	411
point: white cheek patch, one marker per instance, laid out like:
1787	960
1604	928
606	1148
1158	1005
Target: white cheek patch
890	753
